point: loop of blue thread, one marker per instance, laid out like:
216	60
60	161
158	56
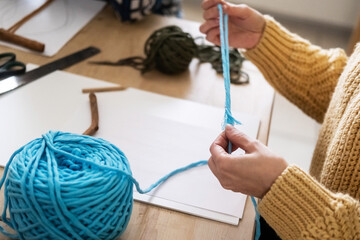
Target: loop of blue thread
68	186
228	118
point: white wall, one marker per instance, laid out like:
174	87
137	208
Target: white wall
342	13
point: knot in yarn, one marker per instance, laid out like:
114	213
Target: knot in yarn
66	186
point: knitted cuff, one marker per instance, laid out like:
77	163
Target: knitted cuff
294	201
276	44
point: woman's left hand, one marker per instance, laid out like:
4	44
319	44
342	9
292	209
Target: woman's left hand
252	173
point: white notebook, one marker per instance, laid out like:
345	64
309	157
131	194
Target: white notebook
53	26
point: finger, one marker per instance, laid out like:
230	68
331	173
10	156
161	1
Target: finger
240	139
212	166
211	13
206	4
218	147
208	25
220	141
213	35
238	10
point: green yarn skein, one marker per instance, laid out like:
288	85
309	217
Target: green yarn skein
170	50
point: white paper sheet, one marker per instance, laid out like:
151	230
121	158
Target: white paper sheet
157	134
54	26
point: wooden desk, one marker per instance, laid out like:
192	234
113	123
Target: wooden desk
201	84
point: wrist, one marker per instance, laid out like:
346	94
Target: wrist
259	33
274	172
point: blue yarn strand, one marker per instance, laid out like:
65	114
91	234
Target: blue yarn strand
257	219
166	177
228	118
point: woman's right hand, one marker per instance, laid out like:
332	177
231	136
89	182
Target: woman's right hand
245	24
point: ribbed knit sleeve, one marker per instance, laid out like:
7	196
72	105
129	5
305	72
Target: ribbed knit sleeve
298	207
305	74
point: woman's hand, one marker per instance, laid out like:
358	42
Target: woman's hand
252	173
245	24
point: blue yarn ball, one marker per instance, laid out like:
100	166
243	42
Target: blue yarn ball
67	186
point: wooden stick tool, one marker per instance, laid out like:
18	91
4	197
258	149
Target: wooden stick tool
103	89
10	36
94	126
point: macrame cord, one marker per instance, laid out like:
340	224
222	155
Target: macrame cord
228	118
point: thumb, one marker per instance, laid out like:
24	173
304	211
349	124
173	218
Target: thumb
237	10
239	139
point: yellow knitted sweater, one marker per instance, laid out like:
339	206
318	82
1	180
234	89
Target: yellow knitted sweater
325	84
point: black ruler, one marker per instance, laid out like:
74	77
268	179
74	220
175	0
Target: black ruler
11	83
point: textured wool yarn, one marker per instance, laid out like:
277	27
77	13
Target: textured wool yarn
68	186
228	118
170	50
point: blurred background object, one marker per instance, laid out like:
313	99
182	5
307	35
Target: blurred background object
135	10
332	12
355	36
